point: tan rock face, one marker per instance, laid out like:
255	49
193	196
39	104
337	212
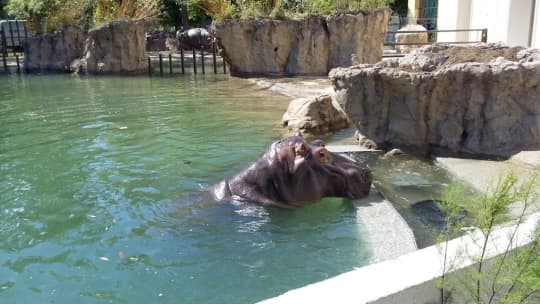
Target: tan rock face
55	51
311	46
431	101
117	48
315	116
419	37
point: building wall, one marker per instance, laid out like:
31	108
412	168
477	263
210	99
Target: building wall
536	27
493	15
507	21
519	23
453	15
414	11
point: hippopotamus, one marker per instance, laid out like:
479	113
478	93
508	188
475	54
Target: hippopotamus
195	38
293	173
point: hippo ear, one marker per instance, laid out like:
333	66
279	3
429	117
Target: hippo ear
298	133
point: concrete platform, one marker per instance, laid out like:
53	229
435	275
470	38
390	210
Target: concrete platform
349	148
388	235
481	174
411	278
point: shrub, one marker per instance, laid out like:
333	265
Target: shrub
514	276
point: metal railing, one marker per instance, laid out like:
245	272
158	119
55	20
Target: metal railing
433	34
13	33
182	61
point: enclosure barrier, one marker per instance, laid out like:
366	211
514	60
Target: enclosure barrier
13	33
432	38
413	277
182	59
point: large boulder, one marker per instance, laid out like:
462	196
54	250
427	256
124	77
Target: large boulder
408	35
311	46
117	48
54	52
481	100
314	116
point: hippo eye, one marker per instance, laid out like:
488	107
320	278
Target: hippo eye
318	143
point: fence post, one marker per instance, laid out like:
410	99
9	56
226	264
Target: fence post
11	32
149	67
194	62
18	34
484	35
170	64
160	64
224	67
18	66
202	60
3	46
214	56
182	60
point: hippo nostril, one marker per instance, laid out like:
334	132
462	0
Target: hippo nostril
299	149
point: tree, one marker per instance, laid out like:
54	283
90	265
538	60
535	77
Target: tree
3	13
512	277
48	15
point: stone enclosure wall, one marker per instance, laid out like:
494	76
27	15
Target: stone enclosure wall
448	100
55	51
310	46
114	48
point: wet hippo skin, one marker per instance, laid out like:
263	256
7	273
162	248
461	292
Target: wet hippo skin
293	173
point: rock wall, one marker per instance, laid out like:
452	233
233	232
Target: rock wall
55	51
462	101
117	48
311	46
403	37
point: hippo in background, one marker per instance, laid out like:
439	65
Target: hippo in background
294	173
195	38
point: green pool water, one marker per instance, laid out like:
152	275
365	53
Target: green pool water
98	195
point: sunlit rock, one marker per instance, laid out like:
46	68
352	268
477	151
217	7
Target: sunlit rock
311	46
481	100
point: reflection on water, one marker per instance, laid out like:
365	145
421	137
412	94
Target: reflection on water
98	195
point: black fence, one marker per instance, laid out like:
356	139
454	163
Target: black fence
13	33
186	61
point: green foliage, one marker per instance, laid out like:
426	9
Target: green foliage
3	13
514	276
49	15
46	15
170	13
287	8
108	10
400	7
217	9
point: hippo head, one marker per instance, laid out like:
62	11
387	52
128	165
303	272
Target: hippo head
293	172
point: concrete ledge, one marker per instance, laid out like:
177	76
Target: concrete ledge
387	233
349	148
409	278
